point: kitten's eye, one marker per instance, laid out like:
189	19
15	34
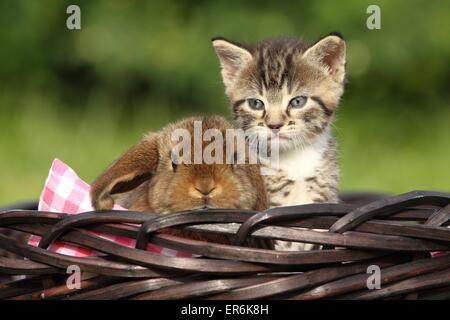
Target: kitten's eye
255	104
298	102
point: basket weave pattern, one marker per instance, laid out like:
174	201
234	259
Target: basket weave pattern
395	233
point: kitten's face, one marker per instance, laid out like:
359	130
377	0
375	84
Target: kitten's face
283	88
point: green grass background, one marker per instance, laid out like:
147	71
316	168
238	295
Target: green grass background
85	96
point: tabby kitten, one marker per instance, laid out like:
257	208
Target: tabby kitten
284	88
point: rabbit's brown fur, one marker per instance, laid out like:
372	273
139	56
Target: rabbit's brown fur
146	174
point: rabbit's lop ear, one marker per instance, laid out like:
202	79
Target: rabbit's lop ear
262	199
126	173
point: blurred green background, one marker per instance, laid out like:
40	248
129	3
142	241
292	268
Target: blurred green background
85	96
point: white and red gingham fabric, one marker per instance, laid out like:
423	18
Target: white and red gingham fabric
65	192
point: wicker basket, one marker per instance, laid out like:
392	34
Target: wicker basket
396	234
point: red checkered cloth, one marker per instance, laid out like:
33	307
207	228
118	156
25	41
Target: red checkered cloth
65	192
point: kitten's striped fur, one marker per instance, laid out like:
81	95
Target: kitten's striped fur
275	71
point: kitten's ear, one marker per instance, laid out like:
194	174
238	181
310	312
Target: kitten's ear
232	58
126	173
330	53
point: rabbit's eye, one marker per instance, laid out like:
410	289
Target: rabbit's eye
174	166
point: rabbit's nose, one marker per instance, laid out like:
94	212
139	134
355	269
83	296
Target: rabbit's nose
206	191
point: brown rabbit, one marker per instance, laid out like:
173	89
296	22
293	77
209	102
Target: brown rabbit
154	183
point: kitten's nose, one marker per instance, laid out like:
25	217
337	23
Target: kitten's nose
275	126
